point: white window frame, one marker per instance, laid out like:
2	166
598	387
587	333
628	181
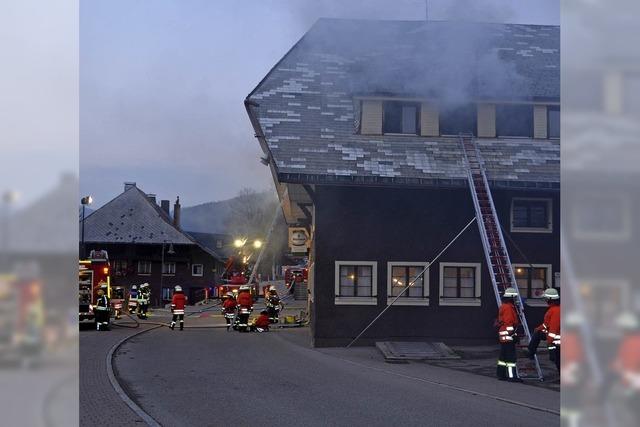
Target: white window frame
201	270
548	229
536	302
621	235
463	302
372	300
168	263
424	301
150	268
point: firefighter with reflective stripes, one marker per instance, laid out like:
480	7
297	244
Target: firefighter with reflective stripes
627	361
178	302
508	322
103	309
549	329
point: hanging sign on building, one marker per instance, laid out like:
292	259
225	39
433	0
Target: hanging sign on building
298	240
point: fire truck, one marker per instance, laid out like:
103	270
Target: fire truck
94	272
21	319
236	273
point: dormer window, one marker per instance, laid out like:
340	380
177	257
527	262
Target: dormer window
514	120
401	117
553	121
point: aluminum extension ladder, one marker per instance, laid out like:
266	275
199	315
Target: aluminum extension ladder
495	250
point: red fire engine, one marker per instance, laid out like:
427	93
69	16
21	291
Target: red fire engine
236	273
94	272
21	318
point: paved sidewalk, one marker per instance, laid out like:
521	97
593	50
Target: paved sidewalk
100	405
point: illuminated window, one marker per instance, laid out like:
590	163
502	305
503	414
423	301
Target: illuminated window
356	282
401	276
532	280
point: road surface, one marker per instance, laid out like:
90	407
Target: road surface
212	377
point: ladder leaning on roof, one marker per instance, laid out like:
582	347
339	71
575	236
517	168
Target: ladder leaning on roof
495	249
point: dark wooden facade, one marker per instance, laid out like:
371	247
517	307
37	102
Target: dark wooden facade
184	258
413	225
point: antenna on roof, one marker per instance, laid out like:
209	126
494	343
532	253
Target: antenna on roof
426	10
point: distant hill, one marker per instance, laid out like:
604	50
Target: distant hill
212	217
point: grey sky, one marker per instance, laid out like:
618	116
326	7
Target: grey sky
162	83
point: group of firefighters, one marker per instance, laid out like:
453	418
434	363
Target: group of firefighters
236	310
508	323
236	307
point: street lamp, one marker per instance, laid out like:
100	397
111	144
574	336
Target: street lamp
257	244
86	200
238	243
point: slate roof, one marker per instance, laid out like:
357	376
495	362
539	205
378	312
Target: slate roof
209	240
132	218
304	108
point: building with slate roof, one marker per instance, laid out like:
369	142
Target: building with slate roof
135	230
359	125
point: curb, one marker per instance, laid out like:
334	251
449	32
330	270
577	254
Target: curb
116	385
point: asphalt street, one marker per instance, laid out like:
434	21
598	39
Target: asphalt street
211	377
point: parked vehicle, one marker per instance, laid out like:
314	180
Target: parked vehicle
93	272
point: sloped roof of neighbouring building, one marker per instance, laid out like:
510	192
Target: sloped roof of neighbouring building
305	106
132	218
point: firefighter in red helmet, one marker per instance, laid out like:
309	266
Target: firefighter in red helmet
178	302
508	322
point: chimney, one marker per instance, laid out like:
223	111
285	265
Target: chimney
165	205
152	198
176	213
129	185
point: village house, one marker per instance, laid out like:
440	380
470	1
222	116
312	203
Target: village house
145	243
359	124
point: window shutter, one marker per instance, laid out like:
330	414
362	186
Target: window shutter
371	123
486	120
540	121
429	120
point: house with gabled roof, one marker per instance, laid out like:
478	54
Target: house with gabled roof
359	124
146	243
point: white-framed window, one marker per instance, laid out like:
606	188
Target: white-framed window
602	217
219	244
532	281
144	268
169	268
197	270
460	283
356	282
531	215
399	275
